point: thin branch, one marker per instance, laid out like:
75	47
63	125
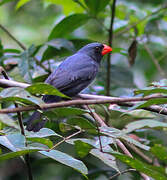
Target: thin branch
123	172
153	108
155	61
80	102
141	20
12	37
110	39
66	138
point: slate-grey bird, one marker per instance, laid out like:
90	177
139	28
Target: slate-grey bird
73	75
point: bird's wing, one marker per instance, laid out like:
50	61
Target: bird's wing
73	75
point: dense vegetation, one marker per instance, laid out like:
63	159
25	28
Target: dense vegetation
112	138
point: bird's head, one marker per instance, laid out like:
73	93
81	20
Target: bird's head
95	50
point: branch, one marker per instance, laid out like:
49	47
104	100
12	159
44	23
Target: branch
97	99
141	20
120	173
12	37
110	38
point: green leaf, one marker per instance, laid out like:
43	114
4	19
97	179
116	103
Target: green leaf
40	140
105	142
68	6
65	112
160	152
151	90
149	103
11	155
106	158
5	119
96	6
26	63
47	89
142	167
68	25
17	94
21	3
83	124
82	148
116	133
44	132
67	160
13	142
144	124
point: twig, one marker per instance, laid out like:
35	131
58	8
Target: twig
12	37
120	173
27	158
66	138
110	39
23	47
141	20
94	115
155	61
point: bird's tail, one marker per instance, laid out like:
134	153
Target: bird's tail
35	122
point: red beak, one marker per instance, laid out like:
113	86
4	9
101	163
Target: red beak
106	49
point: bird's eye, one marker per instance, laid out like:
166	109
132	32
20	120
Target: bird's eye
97	49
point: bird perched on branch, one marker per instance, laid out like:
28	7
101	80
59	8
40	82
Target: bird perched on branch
73	75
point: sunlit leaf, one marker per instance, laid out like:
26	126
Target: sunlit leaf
5	119
17	94
40	140
47	89
144	124
21	3
160	152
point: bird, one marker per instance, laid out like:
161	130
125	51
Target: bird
73	75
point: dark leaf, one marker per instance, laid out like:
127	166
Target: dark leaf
132	51
68	25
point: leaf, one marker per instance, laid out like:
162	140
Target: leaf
68	6
13	142
144	124
17	94
65	112
44	132
106	158
83	124
151	90
58	47
26	63
96	6
142	167
149	103
40	140
160	152
47	89
5	119
19	153
21	3
68	25
82	148
105	142
67	160
132	52
116	133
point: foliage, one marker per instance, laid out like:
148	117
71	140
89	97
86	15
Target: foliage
54	29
